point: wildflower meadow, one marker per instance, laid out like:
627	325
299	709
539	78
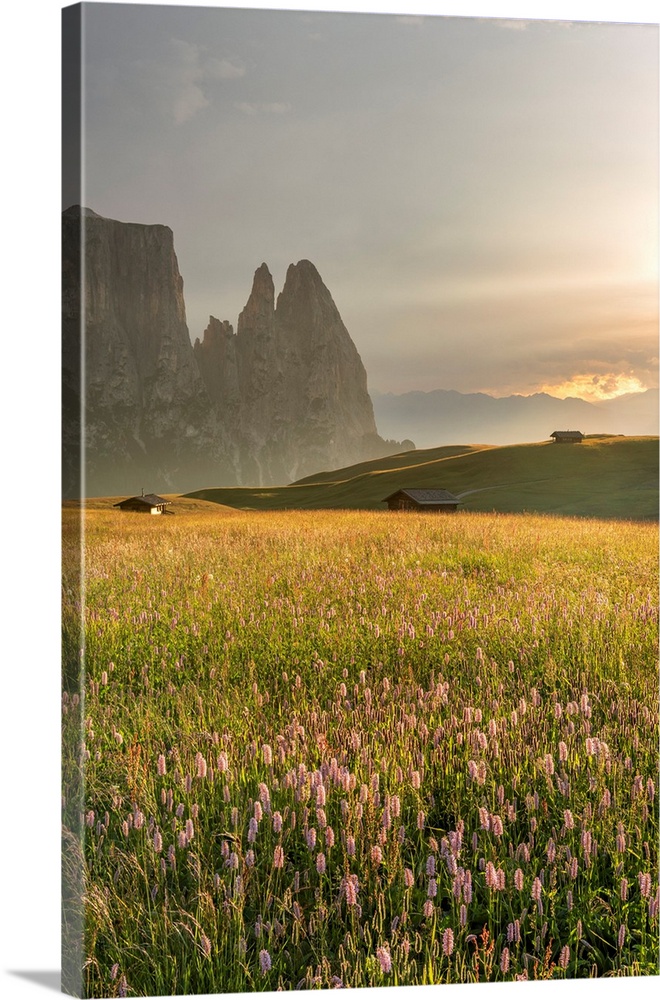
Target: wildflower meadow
339	748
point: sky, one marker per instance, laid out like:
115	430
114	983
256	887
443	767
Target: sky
480	195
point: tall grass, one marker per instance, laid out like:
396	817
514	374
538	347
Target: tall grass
331	748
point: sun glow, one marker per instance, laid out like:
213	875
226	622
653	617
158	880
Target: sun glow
595	388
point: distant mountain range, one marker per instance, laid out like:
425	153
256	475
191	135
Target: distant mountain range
444	416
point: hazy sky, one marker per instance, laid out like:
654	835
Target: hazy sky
480	196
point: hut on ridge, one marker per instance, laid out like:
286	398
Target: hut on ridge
422	499
147	503
567	437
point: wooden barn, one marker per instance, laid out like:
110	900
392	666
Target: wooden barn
422	499
567	437
147	503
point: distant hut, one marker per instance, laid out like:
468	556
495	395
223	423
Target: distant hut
567	437
147	503
418	499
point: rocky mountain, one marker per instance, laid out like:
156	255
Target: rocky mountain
283	397
445	416
147	414
290	384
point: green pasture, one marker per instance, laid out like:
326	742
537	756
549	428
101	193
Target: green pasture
606	477
304	750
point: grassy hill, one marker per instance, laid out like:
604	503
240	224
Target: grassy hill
389	462
613	477
180	505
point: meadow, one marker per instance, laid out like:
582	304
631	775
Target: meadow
343	748
605	476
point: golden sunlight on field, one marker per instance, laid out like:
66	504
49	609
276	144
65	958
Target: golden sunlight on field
354	748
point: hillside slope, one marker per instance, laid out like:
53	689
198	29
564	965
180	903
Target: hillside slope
602	477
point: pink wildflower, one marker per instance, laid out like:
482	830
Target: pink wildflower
644	880
491	876
376	855
385	959
351	888
264	961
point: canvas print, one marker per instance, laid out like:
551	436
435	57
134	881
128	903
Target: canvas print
360	500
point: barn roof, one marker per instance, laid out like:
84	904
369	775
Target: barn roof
148	499
567	434
424	496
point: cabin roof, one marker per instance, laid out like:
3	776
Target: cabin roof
425	496
148	499
567	434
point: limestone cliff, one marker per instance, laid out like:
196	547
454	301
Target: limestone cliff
216	359
147	415
284	397
303	385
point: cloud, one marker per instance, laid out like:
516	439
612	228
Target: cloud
263	107
186	97
223	69
188	72
523	24
513	24
596	387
